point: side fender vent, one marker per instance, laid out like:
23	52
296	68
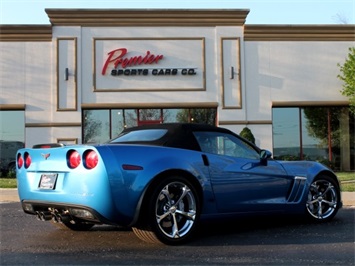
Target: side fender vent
297	189
205	160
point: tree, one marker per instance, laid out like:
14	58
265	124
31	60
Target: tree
340	19
246	133
348	77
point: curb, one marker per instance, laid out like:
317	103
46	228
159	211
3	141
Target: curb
11	195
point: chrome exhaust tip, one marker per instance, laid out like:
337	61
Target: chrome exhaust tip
38	216
43	216
55	218
46	216
63	218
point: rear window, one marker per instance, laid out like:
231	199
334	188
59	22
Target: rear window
141	135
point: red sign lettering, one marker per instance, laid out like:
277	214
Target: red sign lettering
117	57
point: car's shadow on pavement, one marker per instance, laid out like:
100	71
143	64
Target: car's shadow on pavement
259	230
271	230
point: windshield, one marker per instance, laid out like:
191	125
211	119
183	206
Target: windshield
140	135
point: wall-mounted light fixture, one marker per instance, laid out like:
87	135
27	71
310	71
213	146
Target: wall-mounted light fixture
232	73
66	74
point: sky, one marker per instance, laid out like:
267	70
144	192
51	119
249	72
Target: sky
261	11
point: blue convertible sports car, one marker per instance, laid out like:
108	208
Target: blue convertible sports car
161	180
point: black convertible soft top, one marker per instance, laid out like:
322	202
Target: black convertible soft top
178	135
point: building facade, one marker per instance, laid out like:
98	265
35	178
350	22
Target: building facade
91	73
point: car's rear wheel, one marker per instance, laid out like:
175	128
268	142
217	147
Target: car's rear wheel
323	199
173	213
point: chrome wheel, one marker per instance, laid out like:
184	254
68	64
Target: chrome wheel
175	210
172	212
323	199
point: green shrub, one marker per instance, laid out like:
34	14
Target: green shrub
247	134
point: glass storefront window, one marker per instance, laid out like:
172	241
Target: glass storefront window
96	126
121	119
150	114
101	125
346	141
206	116
286	133
12	138
314	134
196	115
326	134
131	117
117	122
172	115
12	125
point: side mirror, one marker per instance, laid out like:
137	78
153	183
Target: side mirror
264	156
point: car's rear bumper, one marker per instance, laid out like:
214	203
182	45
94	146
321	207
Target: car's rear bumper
61	212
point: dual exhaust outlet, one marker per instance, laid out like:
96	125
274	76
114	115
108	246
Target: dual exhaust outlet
55	217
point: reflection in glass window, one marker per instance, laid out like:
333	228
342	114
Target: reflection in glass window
333	127
117	122
150	114
225	144
96	126
286	133
314	134
171	115
99	126
326	135
130	117
12	138
197	115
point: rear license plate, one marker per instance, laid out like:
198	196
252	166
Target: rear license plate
48	181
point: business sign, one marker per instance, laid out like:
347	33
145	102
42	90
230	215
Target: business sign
149	64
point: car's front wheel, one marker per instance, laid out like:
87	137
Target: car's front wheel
173	213
323	199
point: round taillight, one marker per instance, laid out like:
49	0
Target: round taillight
27	159
19	161
90	159
74	159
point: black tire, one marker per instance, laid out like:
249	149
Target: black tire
78	226
173	213
323	200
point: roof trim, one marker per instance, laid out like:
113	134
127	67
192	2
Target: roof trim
24	33
147	17
149	105
12	107
344	32
309	103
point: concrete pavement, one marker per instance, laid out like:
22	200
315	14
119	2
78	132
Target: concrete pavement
10	195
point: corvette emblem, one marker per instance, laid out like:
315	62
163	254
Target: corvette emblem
45	155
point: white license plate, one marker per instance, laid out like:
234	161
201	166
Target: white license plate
48	181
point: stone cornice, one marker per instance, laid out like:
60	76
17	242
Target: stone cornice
147	17
299	32
23	33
